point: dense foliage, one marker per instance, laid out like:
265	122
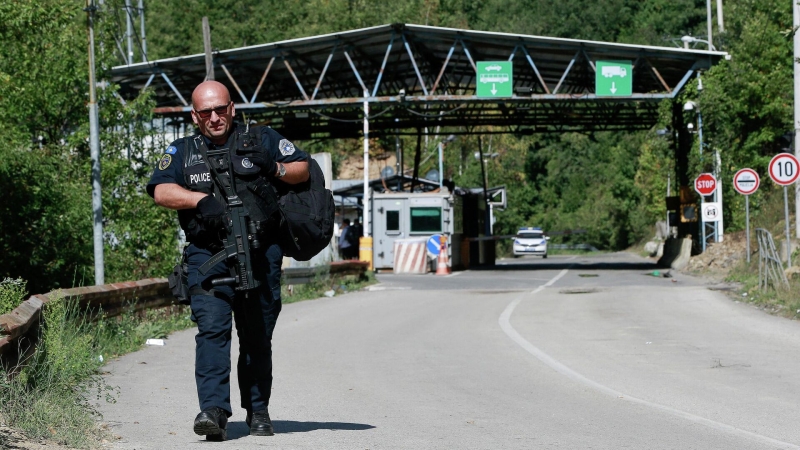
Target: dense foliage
46	224
611	184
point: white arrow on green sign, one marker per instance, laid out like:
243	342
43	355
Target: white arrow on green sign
614	78
495	79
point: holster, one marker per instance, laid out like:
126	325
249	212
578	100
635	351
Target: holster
179	281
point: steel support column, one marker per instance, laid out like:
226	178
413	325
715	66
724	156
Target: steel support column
263	77
322	74
414	63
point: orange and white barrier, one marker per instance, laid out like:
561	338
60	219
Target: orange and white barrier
442	265
410	256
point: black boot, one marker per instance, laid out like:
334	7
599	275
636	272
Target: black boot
213	423
259	423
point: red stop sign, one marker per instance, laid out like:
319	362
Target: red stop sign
705	184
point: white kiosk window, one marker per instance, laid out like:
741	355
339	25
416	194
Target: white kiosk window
427	219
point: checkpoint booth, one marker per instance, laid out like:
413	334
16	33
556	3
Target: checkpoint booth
404	222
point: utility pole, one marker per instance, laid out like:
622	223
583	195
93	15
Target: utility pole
129	34
144	38
796	22
94	146
366	165
207	47
708	22
719	18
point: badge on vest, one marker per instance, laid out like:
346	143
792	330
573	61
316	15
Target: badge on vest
286	147
166	160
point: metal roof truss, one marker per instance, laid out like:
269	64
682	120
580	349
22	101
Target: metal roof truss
418	77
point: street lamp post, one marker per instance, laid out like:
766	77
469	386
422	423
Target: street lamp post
449	139
690	39
94	148
484	159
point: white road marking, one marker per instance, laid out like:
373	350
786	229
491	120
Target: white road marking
505	325
374	288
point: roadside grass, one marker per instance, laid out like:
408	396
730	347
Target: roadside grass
780	301
49	397
317	287
12	291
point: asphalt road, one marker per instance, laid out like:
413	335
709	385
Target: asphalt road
563	353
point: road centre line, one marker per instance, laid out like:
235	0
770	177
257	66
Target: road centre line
505	325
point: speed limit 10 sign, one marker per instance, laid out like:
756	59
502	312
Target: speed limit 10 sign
746	181
784	169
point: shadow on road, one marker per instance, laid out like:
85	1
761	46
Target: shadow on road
237	430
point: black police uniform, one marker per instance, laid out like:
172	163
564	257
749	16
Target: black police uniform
255	316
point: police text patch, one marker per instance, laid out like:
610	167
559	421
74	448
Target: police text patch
287	148
171	150
166	160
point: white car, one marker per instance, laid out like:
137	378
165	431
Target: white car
530	241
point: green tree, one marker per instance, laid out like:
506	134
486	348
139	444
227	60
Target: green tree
46	226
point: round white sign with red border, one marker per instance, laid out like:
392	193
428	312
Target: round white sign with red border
705	184
746	181
784	169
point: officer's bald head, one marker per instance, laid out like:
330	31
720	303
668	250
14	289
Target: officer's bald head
209	89
212	110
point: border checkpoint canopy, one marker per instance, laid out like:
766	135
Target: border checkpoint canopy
420	76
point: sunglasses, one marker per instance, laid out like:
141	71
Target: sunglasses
206	113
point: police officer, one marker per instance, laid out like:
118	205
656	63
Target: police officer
182	182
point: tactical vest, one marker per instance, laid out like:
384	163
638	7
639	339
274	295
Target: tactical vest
252	188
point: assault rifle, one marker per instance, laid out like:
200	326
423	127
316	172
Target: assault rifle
241	233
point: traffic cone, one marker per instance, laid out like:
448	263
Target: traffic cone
442	266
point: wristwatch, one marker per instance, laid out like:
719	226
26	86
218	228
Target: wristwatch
281	170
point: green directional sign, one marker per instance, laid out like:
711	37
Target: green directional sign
495	79
614	78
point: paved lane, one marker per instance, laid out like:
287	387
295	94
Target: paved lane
429	362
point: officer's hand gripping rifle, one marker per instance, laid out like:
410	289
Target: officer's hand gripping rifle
240	234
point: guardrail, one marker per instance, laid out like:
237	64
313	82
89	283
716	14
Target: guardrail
19	328
770	267
585	247
302	275
512	236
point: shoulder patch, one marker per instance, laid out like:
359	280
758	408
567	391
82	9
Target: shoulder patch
165	161
171	150
286	147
